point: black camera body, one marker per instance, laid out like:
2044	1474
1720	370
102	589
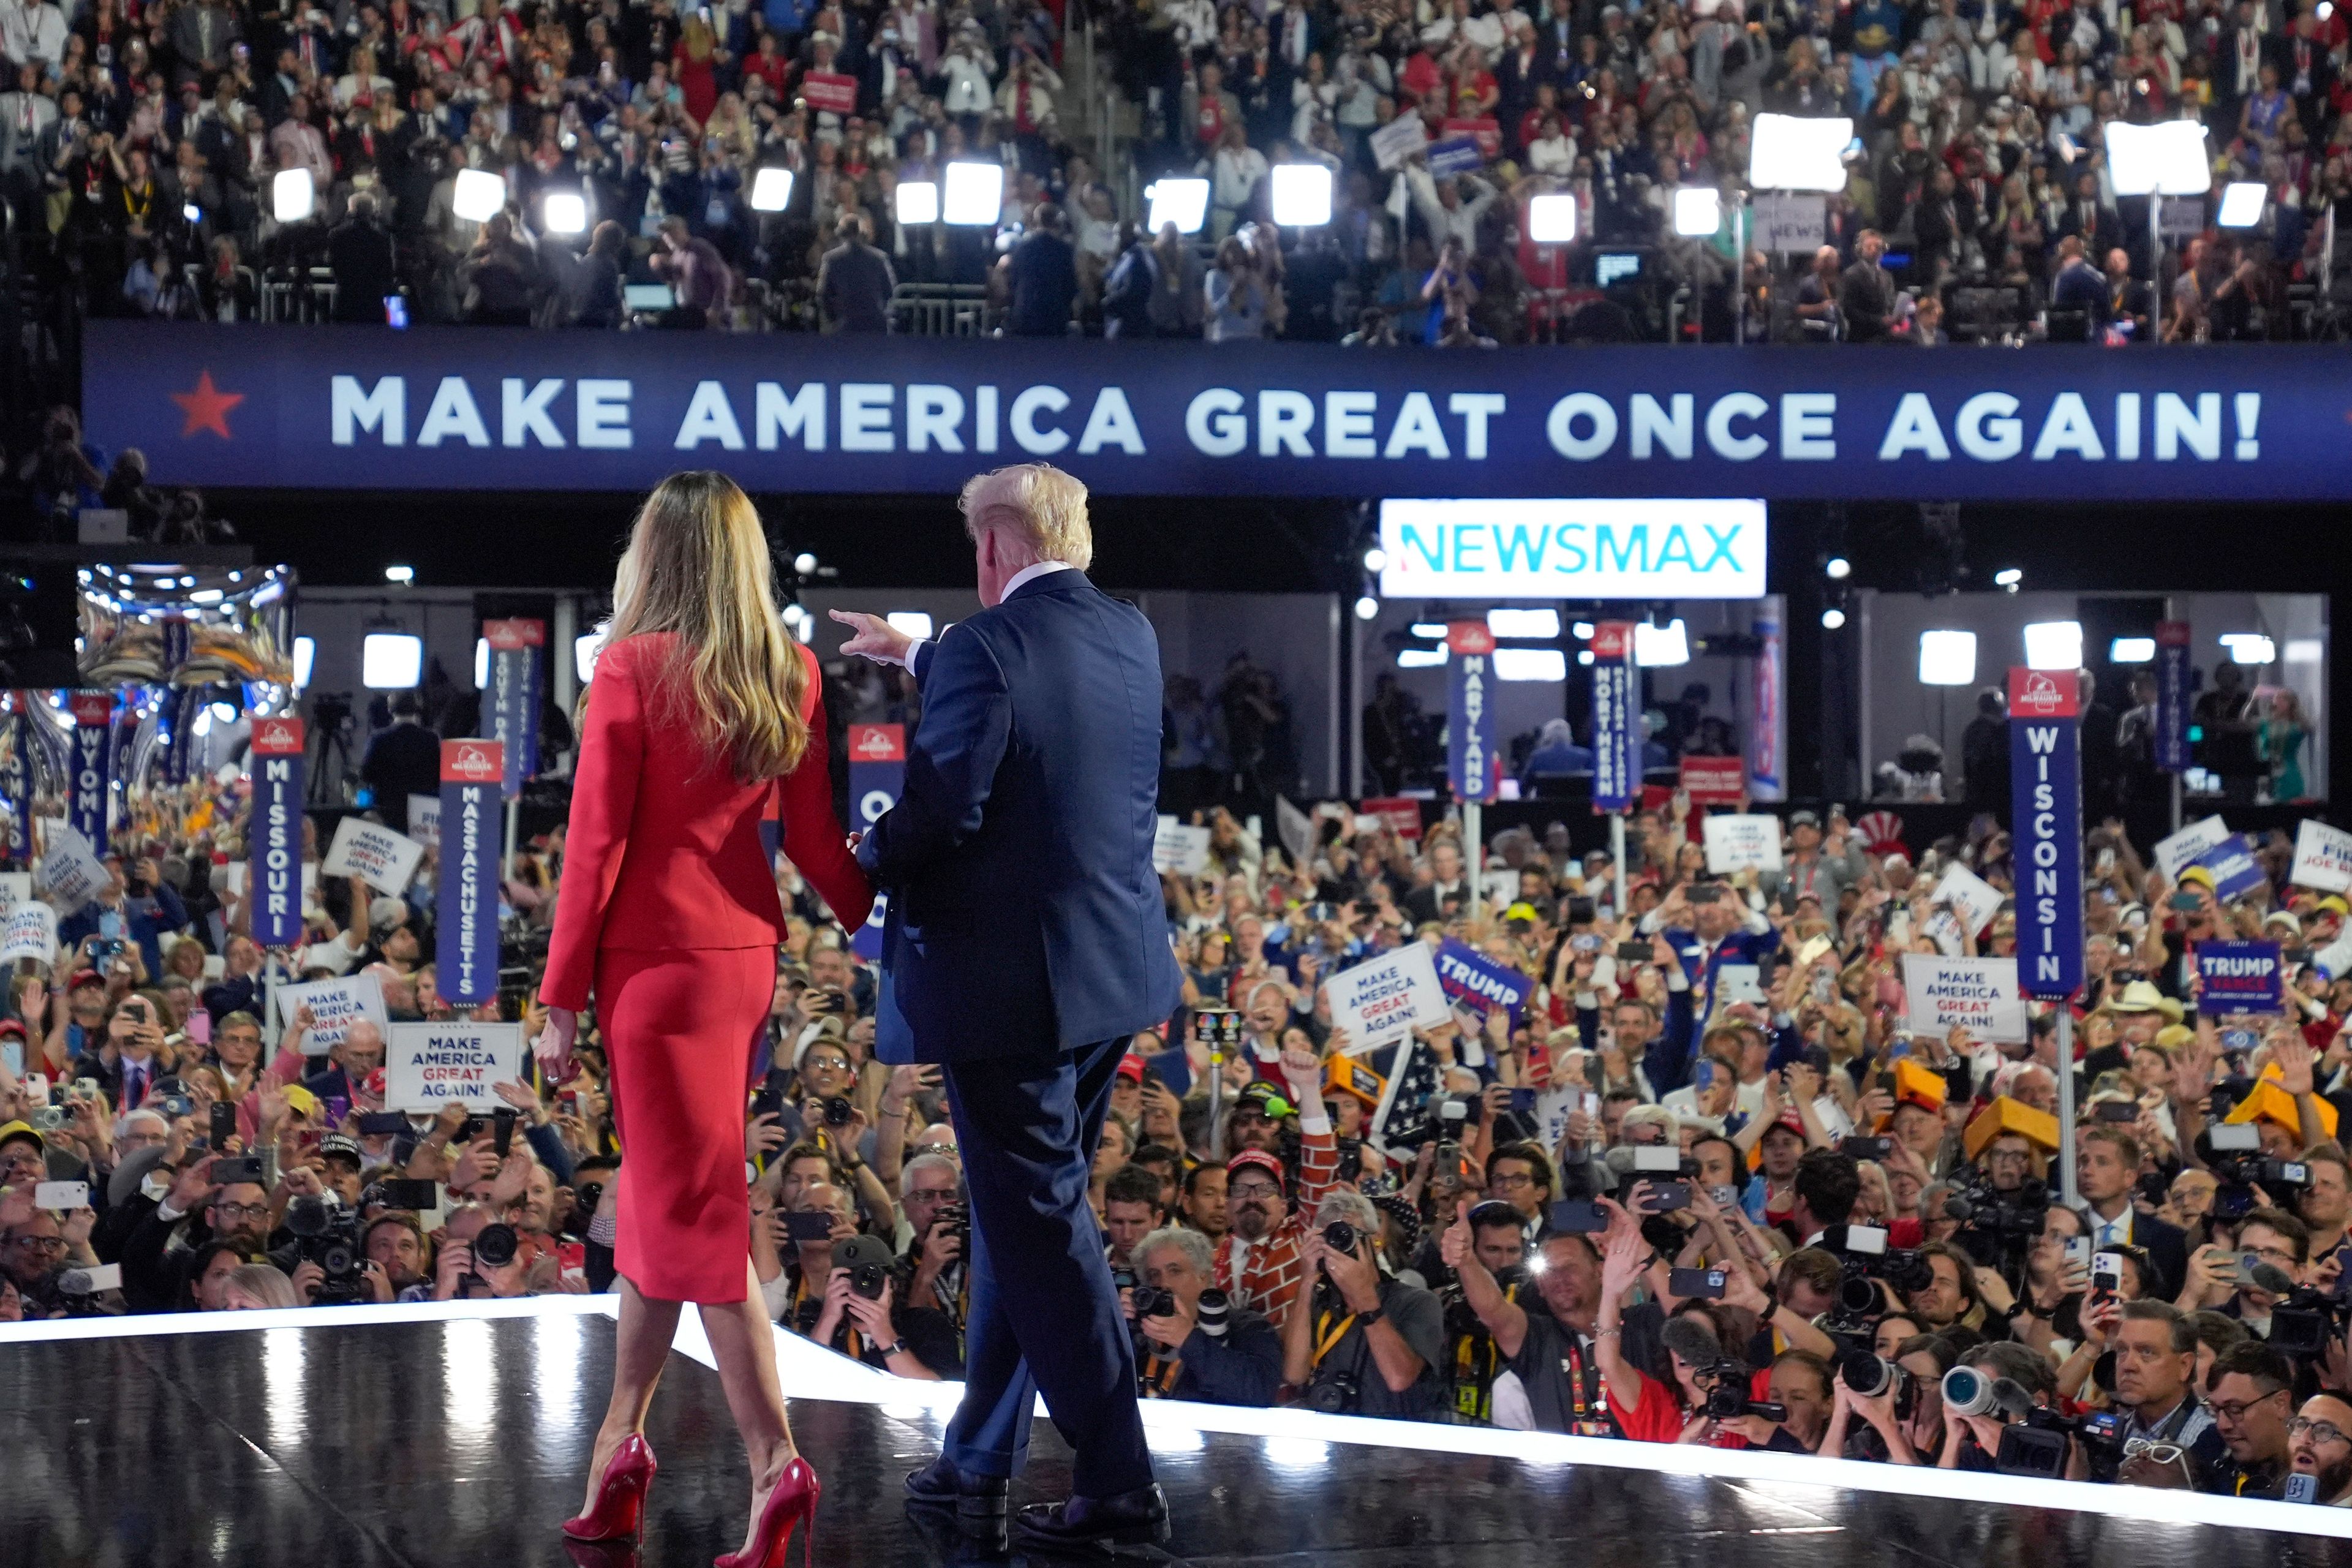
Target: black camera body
329	1235
1341	1236
2303	1323
1998	1226
868	1261
1338	1397
1727	1395
1152	1301
839	1111
496	1244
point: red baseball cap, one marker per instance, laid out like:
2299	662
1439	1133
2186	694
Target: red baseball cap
1261	1160
1131	1067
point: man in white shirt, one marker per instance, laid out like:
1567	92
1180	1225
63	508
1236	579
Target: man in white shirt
32	32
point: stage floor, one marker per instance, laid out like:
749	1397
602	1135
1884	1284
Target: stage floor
461	1441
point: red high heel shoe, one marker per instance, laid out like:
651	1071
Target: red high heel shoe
620	1495
792	1501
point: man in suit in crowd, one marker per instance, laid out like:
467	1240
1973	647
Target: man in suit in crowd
1025	946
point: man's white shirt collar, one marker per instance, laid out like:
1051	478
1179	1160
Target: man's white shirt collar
1030	573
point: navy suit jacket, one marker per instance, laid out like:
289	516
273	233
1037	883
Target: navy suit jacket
1023	908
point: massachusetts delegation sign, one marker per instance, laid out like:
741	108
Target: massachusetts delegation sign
491	408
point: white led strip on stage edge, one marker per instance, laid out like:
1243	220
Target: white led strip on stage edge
810	1373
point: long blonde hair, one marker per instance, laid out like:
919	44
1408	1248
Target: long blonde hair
697	565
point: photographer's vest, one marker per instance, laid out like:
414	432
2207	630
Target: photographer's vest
1477	1362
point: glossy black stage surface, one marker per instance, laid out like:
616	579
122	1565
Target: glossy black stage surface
463	1444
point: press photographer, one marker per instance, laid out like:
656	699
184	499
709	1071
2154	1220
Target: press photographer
1545	1343
1191	1341
1363	1343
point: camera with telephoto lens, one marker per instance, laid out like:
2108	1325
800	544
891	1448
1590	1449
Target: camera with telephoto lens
1727	1395
496	1246
1871	1375
868	1262
1213	1312
329	1235
1864	1259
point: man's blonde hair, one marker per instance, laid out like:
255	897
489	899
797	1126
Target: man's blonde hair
1043	506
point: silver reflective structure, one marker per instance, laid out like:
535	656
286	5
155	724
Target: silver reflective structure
159	624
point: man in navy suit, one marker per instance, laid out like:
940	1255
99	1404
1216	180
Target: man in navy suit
1025	943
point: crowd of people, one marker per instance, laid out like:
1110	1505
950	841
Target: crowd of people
1712	1181
142	146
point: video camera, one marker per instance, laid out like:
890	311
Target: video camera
2233	1153
1997	1226
329	1235
1864	1260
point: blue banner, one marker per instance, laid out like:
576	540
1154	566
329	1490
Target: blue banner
2045	760
1469	716
473	832
1470	977
17	780
511	707
274	878
1616	718
2172	696
180	706
89	795
2234	869
877	770
482	408
2239	977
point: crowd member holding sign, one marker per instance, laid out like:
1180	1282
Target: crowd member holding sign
702	708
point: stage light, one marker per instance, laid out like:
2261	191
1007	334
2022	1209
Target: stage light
2250	648
584	649
305	653
481	664
1833	619
2242	203
771	190
1523	623
1655	647
915	623
1551	218
479	195
2053	645
1581	631
391	661
1367	607
1698	211
192	212
564	212
1839	568
225	712
1376	559
1435	630
974	194
291	199
2305	650
1584	655
2008	578
1948	657
403	575
804	563
1421	657
1530	664
1794	152
1184	203
1302	195
918	203
2165	158
2131	650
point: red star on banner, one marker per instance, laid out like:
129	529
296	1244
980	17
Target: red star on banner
207	407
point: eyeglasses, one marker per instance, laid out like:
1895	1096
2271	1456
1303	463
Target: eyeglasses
1251	1190
53	1244
2236	1411
241	1211
2319	1431
2153	1450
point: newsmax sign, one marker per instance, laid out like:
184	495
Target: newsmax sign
465	408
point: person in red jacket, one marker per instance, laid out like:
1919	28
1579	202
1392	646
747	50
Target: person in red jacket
704	717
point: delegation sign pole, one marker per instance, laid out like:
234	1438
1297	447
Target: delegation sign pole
1470	742
2045	752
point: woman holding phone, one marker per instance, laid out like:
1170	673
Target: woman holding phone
704	719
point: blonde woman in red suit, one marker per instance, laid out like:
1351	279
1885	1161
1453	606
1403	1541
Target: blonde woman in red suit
703	714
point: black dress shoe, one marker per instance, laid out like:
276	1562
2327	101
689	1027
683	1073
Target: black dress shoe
943	1484
1139	1518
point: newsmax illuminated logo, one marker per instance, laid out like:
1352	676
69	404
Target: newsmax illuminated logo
1573	549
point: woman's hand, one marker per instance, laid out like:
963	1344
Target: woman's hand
552	1049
